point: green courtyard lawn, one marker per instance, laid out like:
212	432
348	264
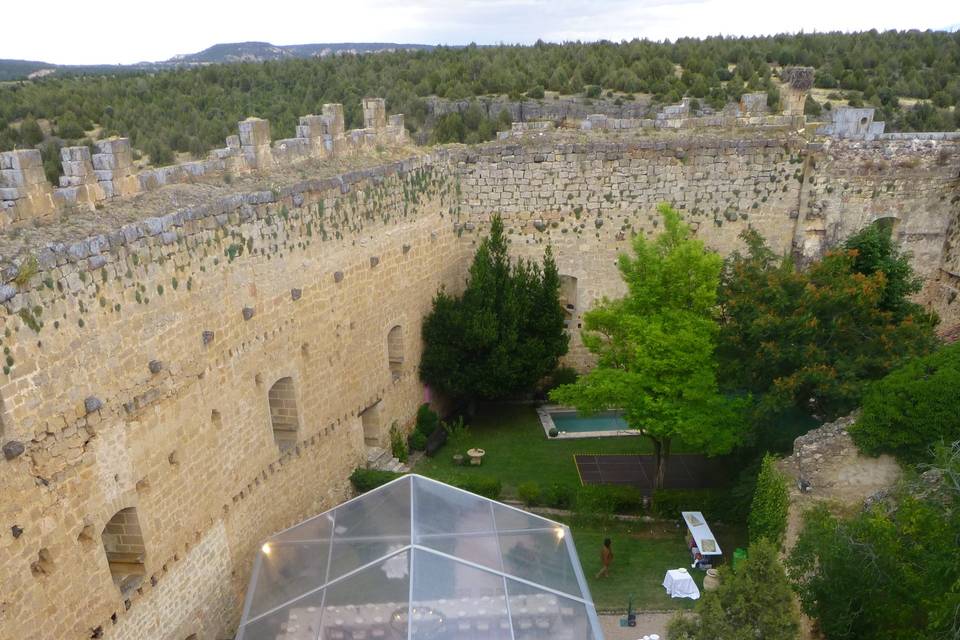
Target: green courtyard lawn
518	451
642	553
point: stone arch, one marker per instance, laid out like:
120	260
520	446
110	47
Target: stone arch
890	222
395	351
283	413
125	550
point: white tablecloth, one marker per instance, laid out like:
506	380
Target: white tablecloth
680	584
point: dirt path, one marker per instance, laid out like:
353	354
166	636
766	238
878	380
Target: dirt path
647	623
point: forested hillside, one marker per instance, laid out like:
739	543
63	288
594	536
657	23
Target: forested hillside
913	78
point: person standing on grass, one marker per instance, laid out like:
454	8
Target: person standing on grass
606	557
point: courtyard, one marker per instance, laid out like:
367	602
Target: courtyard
520	455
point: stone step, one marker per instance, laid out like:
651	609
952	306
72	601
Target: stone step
374	454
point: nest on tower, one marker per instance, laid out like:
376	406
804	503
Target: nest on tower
799	78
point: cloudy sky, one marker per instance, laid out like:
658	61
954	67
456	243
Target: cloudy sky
124	31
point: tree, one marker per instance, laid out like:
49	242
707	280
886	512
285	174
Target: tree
755	601
876	253
771	499
811	338
655	347
890	572
913	407
503	335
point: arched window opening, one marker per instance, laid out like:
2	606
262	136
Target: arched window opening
126	554
395	351
283	413
888	223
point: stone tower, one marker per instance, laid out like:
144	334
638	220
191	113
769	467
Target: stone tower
798	81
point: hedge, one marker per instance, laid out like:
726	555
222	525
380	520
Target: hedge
364	480
771	499
486	486
608	499
715	504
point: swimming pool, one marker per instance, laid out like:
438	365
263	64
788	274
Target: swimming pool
571	424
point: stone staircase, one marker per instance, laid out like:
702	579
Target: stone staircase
379	458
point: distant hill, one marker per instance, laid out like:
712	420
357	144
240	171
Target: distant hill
217	54
259	51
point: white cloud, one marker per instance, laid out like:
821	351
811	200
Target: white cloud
112	31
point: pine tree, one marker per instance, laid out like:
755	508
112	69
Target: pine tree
503	335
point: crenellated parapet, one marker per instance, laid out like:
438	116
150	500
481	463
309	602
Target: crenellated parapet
109	172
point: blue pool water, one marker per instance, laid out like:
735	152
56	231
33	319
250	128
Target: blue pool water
572	421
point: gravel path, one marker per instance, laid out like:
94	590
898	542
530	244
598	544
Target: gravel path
647	623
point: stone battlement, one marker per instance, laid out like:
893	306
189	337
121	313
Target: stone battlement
92	178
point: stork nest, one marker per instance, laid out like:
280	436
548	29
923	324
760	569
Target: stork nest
800	78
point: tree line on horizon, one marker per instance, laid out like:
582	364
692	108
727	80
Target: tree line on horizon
193	110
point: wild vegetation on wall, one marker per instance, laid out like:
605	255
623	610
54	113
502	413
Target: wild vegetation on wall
193	110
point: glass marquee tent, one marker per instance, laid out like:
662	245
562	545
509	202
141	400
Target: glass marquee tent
417	559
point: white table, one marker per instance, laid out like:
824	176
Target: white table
701	533
680	584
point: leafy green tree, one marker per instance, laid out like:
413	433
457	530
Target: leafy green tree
913	407
755	601
771	499
876	253
503	335
655	347
890	572
811	338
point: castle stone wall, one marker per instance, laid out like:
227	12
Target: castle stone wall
138	376
139	360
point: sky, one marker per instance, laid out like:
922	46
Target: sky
127	31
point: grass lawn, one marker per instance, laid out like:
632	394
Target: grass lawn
642	553
518	451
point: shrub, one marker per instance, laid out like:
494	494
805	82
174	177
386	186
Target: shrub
417	441
427	420
364	480
553	433
608	499
592	91
486	486
715	504
557	496
536	93
913	407
398	443
457	432
529	493
771	499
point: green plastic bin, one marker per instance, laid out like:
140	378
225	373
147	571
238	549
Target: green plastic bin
739	555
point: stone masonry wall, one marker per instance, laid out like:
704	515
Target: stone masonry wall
588	198
138	371
138	364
